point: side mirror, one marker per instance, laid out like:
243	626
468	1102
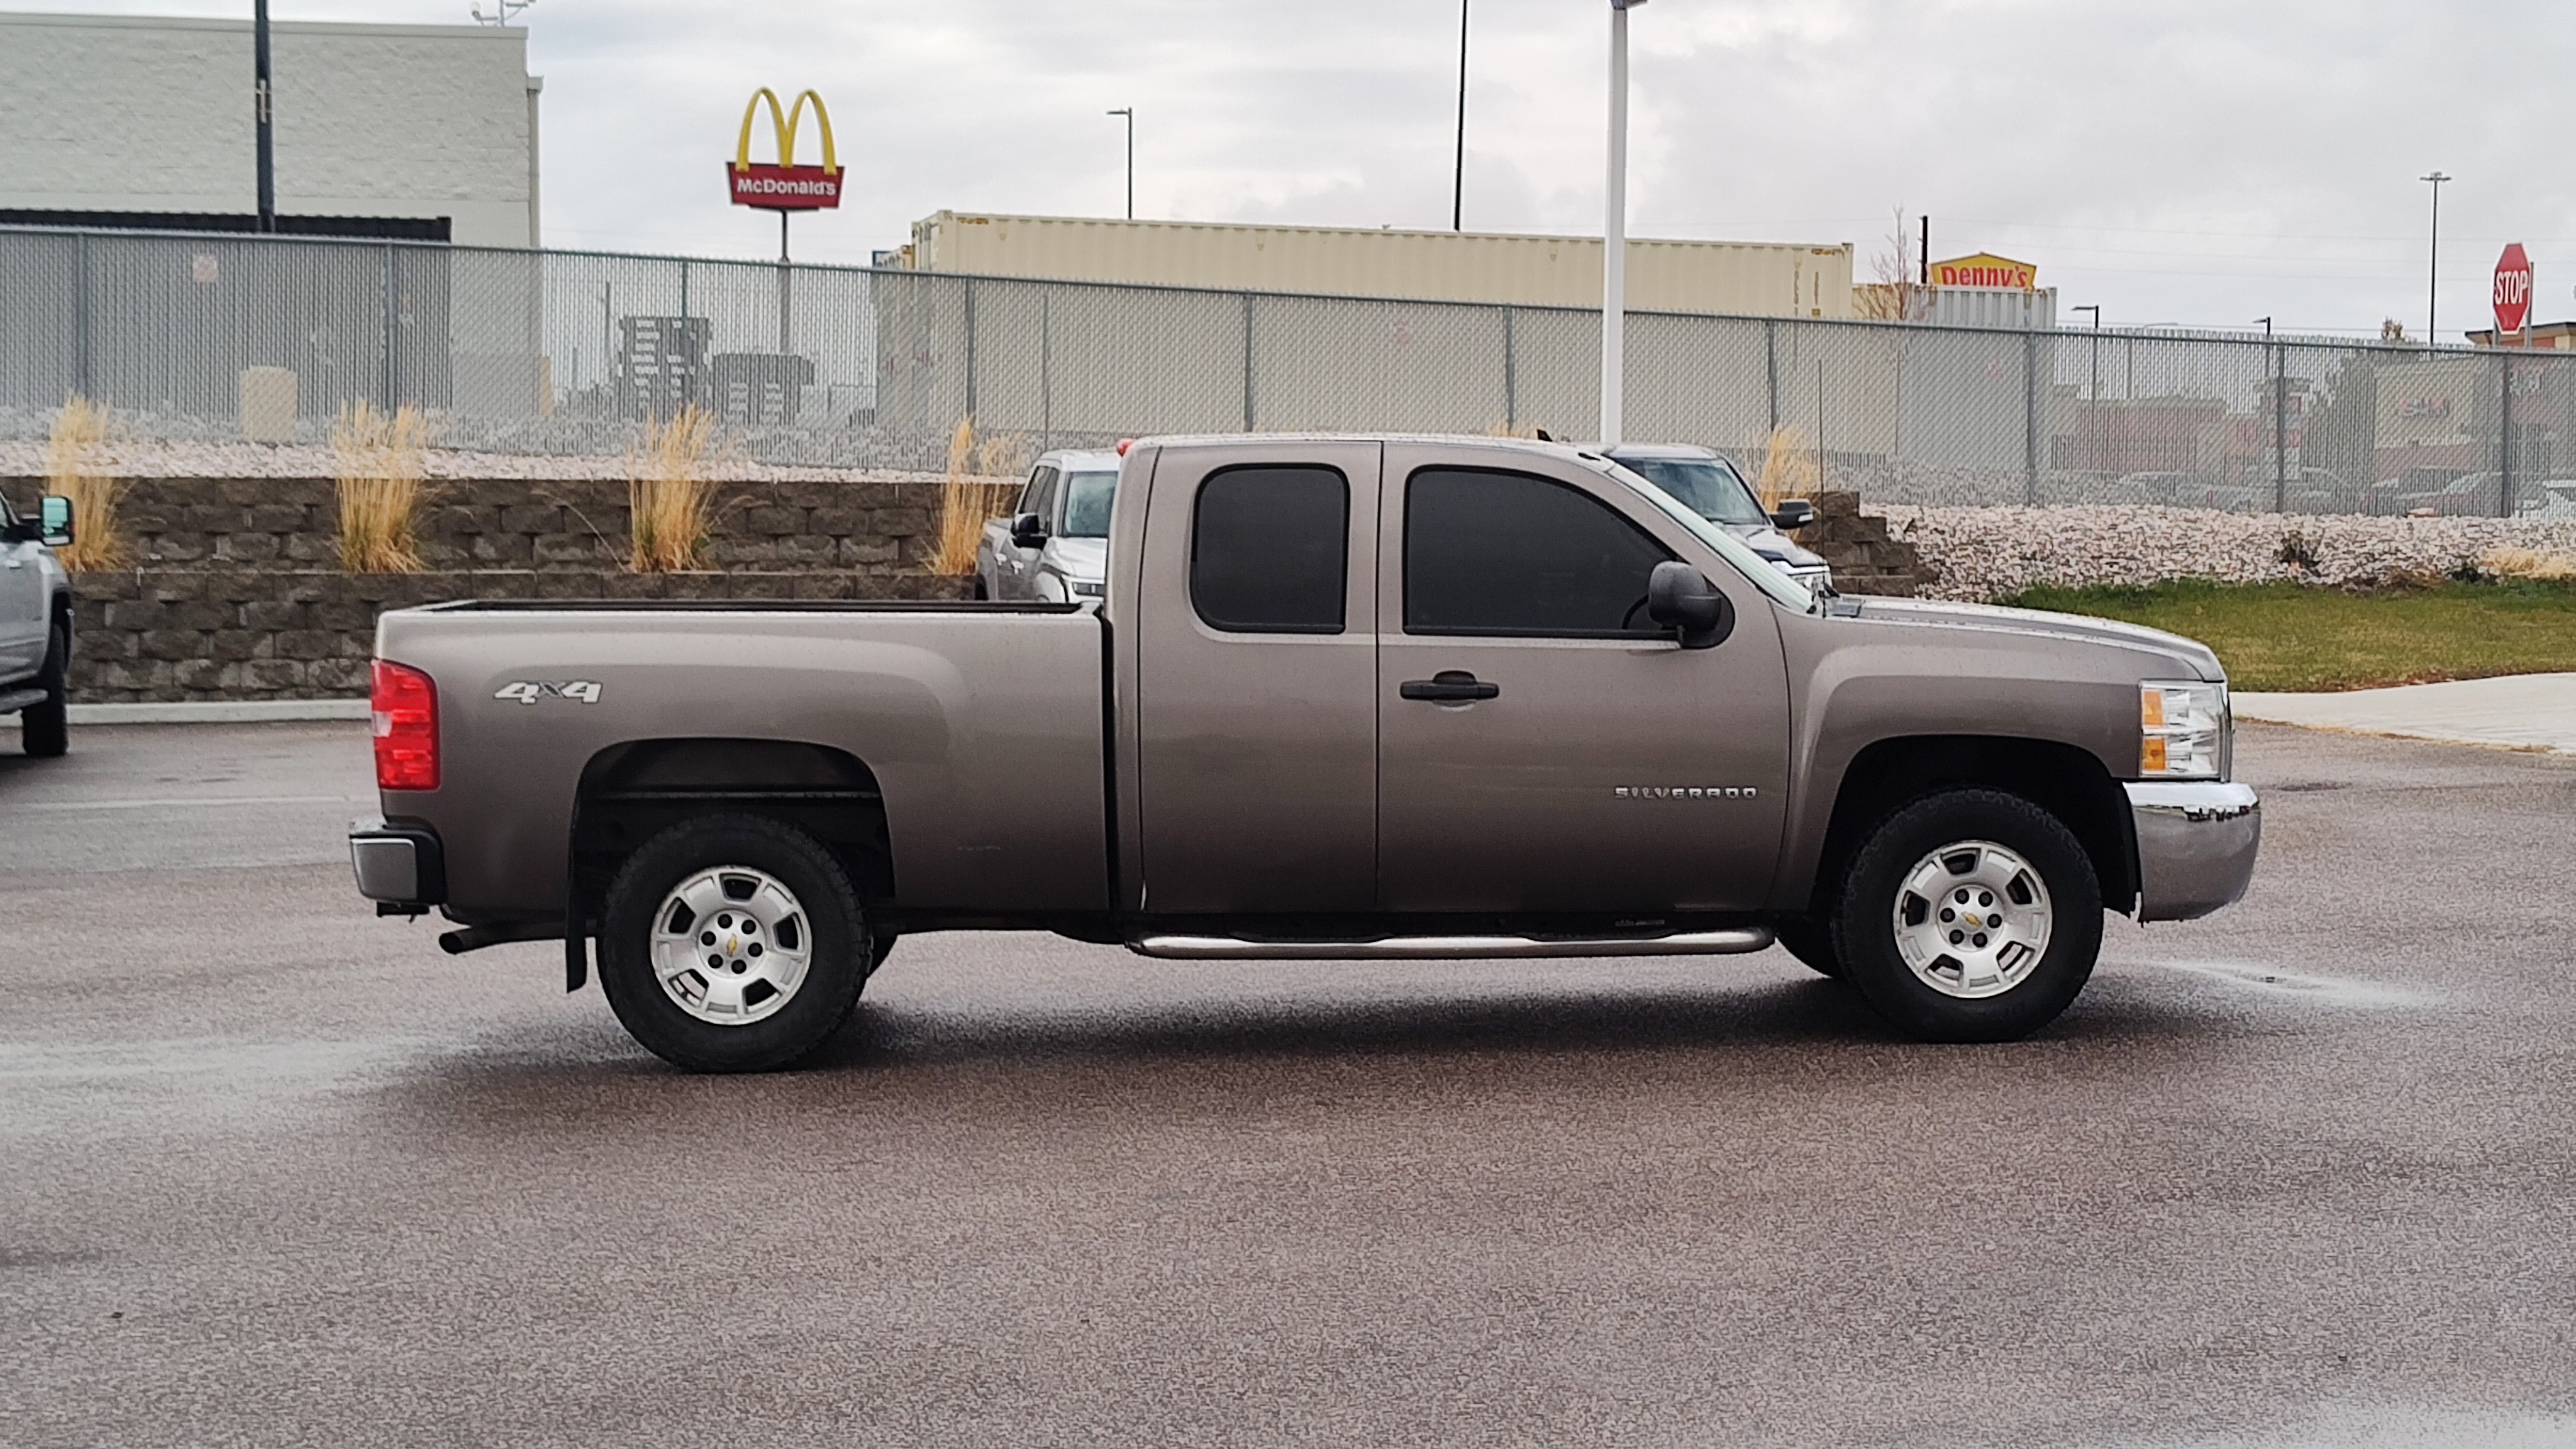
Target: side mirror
1028	531
1793	514
1682	599
55	521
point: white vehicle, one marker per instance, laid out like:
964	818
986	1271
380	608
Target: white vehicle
2555	498
36	624
1054	548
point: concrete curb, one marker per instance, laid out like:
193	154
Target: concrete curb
2520	712
218	711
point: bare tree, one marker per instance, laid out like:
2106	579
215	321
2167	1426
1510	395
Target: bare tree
1894	295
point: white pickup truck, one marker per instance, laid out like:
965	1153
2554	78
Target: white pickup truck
36	624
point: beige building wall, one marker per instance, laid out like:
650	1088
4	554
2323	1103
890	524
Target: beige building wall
1745	278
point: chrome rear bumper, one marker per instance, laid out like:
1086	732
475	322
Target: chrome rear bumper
397	864
2196	845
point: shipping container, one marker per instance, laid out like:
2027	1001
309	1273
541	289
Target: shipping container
1766	279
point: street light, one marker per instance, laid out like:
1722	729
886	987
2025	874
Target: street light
1130	113
2433	257
2093	407
1458	187
1614	229
263	121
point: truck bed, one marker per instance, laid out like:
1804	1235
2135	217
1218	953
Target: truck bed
979	725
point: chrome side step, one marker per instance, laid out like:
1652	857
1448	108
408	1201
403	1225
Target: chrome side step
1450	948
18	699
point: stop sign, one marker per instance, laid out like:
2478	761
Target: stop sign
2512	289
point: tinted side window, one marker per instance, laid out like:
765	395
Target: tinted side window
1040	493
1270	549
1506	553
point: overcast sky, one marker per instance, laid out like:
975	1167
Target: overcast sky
2184	161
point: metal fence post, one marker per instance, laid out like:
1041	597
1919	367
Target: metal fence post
1511	378
1771	367
1046	369
2504	437
393	334
970	349
1247	362
2030	414
2281	428
80	316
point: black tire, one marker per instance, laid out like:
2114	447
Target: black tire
1811	940
1865	922
44	730
842	953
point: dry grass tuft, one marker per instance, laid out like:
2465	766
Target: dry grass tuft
1789	468
2508	562
79	428
669	495
379	462
966	500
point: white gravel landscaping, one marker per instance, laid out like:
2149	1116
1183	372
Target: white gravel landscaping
1992	553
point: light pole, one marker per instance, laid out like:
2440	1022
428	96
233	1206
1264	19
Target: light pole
2433	258
1130	113
1458	186
1614	230
262	120
2093	409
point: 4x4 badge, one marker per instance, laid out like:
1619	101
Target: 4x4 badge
529	691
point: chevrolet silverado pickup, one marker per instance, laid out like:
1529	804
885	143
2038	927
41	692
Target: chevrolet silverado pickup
1342	698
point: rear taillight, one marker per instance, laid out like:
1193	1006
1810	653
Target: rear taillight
404	713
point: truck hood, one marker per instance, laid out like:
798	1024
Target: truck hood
1773	544
1086	559
2191	652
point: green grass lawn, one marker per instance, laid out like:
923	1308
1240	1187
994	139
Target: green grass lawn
2285	636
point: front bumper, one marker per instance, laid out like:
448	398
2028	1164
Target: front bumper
2196	845
399	865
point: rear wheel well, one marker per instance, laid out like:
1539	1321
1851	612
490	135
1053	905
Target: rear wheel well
631	792
2067	782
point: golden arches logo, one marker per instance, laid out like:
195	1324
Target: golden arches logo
783	185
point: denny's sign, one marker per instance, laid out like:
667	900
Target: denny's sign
784	185
1985	270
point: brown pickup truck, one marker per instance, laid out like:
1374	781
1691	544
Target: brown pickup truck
1344	698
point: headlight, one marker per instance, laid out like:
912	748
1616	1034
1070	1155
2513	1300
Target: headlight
2182	729
1083	590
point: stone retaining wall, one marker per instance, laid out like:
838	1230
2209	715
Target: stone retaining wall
1865	559
864	527
229	633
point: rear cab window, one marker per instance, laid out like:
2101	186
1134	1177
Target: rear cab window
1270	549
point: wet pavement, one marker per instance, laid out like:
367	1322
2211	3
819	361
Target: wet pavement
275	1172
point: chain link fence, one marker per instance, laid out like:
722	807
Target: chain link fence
568	352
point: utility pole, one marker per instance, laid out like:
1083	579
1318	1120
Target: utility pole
1614	231
1458	187
2433	259
1130	113
263	121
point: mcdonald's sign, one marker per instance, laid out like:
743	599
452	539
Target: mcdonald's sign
784	186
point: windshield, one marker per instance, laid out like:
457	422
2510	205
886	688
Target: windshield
1087	497
1707	486
1788	593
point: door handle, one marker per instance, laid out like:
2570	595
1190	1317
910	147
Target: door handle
1449	686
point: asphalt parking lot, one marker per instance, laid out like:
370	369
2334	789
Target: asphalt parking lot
275	1172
